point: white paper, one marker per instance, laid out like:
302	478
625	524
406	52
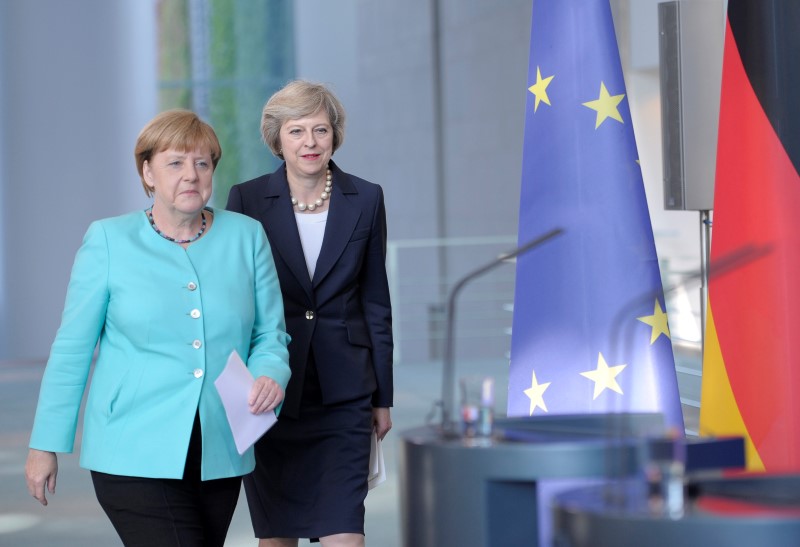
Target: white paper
234	386
377	470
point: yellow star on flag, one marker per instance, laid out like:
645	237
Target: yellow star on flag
539	89
606	106
535	394
658	321
604	376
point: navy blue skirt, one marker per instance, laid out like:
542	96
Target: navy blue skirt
310	479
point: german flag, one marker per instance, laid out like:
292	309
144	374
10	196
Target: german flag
751	361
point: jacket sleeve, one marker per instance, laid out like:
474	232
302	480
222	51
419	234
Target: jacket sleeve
269	355
377	306
71	354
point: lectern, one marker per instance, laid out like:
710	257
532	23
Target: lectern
751	510
456	493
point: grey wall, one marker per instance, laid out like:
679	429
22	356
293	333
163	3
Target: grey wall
436	117
78	83
467	183
3	260
74	96
381	65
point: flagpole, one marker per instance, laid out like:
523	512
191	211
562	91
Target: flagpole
705	260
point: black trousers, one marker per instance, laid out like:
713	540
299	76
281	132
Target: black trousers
184	512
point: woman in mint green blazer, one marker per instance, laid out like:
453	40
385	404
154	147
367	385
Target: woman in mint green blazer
165	295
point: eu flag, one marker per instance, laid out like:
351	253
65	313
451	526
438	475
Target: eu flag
590	330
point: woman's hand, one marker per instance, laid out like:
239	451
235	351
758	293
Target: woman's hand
381	421
265	395
41	470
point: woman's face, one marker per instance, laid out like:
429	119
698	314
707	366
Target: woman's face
181	181
307	145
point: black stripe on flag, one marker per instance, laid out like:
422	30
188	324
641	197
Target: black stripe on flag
767	35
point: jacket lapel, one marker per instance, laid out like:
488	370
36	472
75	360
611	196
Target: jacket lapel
343	215
278	217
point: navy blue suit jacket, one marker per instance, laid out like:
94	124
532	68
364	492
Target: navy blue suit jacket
342	315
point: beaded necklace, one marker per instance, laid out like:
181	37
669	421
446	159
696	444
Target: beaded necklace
326	193
180	241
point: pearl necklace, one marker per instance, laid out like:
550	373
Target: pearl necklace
326	193
180	241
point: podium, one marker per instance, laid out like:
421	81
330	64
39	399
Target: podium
749	510
456	493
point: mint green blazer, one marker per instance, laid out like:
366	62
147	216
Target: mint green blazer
166	320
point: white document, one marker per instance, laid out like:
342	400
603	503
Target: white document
377	470
234	386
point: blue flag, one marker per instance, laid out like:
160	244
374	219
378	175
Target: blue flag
590	330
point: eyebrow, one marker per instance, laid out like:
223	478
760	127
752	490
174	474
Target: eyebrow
183	155
290	125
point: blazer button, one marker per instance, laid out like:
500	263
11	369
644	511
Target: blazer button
198	373
309	314
191	286
195	313
197	344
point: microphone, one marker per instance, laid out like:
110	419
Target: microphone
666	456
448	425
621	330
717	268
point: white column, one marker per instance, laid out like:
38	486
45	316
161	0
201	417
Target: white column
79	81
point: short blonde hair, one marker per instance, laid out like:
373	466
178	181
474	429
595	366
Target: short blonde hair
298	99
174	129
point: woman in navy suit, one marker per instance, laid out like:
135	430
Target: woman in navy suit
327	230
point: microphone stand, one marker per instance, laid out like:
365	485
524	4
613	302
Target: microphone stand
448	424
614	493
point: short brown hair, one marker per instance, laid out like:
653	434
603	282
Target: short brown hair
298	99
178	129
